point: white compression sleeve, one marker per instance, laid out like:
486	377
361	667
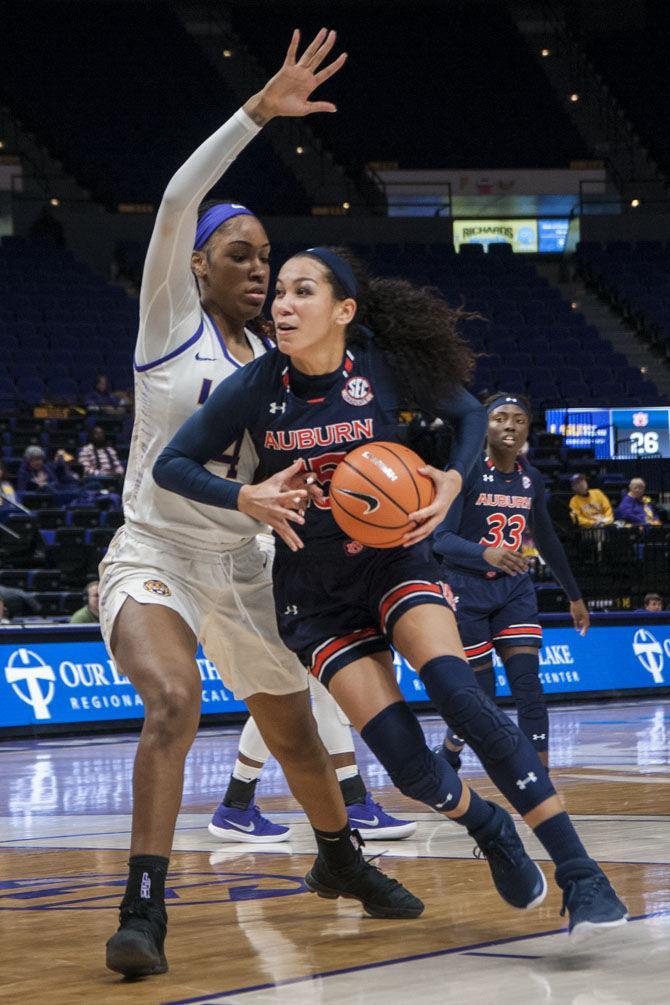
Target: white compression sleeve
169	297
252	744
333	725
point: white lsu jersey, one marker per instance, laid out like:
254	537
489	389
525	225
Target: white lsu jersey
167	392
180	357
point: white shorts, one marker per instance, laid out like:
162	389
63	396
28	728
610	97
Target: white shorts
224	597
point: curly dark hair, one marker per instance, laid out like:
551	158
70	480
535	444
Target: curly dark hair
416	328
259	325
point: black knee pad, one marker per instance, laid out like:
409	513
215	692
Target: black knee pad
396	739
421	776
485	727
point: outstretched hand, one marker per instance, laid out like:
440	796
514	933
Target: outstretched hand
288	92
281	500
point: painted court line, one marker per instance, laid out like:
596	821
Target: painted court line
436	954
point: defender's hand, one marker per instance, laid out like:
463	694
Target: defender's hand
278	502
580	616
288	92
507	561
447	486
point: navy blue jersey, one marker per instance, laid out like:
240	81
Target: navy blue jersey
493	510
361	404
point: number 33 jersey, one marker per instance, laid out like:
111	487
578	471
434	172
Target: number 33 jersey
493	510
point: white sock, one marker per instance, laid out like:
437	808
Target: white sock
348	771
244	772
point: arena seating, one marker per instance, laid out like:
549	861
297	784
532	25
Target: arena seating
633	61
141	108
442	71
636	280
60	324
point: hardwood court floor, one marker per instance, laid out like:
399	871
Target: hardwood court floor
244	930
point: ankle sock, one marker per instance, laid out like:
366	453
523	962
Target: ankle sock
146	878
339	849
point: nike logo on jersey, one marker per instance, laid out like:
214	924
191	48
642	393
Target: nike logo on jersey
241	827
368	823
205	359
371	502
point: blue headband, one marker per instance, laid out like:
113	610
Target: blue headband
340	269
506	399
214	217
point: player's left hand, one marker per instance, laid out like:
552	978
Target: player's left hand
447	486
580	616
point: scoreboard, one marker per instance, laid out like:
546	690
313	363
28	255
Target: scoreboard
618	433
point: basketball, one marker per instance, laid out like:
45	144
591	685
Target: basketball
373	491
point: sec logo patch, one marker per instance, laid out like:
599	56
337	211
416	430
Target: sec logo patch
357	391
156	586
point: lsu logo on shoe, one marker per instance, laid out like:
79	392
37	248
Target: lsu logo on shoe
357	391
158	587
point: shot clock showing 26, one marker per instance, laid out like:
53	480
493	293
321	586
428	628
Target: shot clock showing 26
614	432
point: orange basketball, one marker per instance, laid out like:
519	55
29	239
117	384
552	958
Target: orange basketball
373	490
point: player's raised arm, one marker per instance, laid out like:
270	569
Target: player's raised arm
169	294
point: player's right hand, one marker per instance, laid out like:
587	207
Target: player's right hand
288	92
277	501
507	561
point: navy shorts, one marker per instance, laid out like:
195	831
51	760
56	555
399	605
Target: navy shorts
493	612
340	601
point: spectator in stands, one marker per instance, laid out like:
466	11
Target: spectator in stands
46	227
3	620
37	475
89	614
97	458
6	488
636	508
101	397
589	507
17	603
653	602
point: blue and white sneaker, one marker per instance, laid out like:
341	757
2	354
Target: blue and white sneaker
373	823
230	823
518	880
589	899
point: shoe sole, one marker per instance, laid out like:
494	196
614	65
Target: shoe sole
328	893
125	958
394	833
540	897
224	834
584	931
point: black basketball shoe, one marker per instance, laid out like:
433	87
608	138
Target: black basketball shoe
381	896
136	949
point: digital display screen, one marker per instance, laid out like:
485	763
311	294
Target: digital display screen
618	433
551	235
